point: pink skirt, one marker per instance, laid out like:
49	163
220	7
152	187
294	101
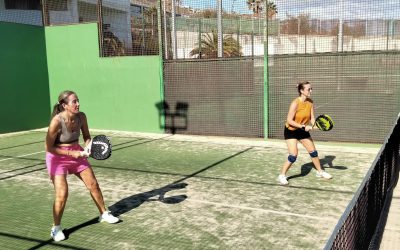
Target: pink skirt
66	164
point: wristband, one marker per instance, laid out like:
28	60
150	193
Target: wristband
303	127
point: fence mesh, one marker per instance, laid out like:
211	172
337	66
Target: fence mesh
293	27
24	12
126	28
359	226
361	99
214	97
225	61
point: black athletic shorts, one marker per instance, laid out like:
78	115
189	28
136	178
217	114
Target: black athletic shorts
296	134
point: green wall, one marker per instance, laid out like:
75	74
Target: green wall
117	93
24	81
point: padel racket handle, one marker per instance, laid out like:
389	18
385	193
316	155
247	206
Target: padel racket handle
84	154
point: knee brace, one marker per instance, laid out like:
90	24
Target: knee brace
314	154
292	158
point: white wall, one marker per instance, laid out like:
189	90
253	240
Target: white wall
292	44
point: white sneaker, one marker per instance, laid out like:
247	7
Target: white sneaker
282	179
57	234
323	174
108	217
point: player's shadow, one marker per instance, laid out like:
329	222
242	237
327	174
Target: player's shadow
67	232
326	162
159	194
134	201
172	121
129	203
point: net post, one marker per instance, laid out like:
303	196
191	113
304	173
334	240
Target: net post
100	25
265	80
45	13
199	37
173	30
160	55
220	35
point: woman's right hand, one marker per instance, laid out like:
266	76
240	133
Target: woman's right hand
84	153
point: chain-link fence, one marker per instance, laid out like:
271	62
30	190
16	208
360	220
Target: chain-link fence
221	28
300	38
200	30
126	28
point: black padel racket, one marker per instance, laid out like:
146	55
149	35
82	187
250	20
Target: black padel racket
100	147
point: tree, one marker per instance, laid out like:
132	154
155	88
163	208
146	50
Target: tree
151	14
258	5
168	4
212	13
209	13
208	47
297	25
112	46
145	32
255	5
272	10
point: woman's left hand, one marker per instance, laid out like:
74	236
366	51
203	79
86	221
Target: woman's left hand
308	128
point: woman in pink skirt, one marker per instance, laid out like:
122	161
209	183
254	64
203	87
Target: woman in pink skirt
65	156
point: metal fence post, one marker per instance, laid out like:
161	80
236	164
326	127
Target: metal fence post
220	36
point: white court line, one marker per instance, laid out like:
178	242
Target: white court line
263	210
375	76
20	156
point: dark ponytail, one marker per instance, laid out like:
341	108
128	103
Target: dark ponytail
56	109
300	86
62	98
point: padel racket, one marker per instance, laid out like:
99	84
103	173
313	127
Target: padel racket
100	147
324	123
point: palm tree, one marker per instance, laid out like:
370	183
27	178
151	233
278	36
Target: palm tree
258	5
209	46
272	10
255	5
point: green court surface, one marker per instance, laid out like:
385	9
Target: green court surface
181	192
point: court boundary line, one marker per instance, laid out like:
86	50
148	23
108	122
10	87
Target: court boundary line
21	156
262	210
77	183
240	141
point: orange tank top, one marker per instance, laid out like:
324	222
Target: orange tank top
303	112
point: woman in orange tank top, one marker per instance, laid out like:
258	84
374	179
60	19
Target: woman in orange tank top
299	123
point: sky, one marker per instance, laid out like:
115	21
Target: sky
324	9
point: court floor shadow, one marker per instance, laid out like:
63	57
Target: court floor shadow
68	231
159	194
326	163
173	121
126	204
